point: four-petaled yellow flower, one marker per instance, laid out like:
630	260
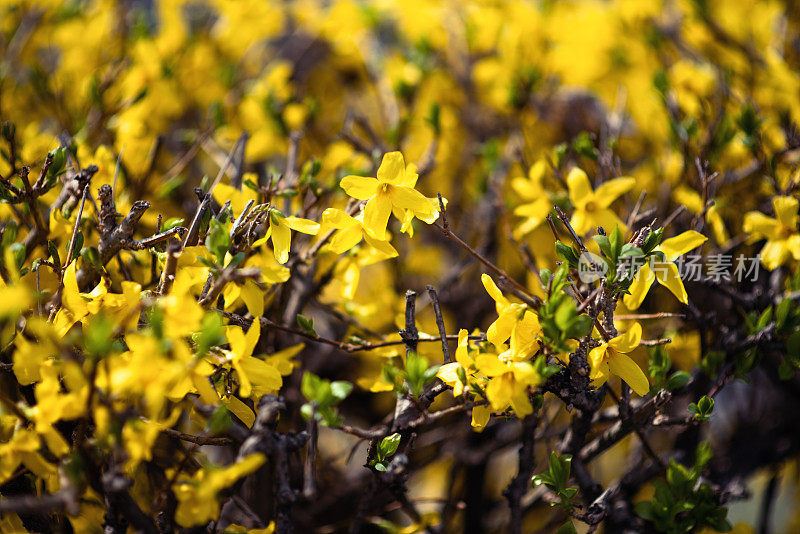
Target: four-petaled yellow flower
350	231
592	206
448	373
280	231
391	192
509	384
256	377
783	240
514	321
536	203
666	272
612	358
197	496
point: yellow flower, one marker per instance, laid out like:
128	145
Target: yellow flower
612	358
280	231
508	384
514	321
391	192
77	305
783	240
592	207
666	272
350	231
536	203
256	377
197	496
448	372
23	448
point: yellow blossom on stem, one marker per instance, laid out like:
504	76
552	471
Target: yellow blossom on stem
509	383
256	377
280	231
783	239
592	206
611	357
197	496
514	321
391	192
449	372
666	272
536	203
350	231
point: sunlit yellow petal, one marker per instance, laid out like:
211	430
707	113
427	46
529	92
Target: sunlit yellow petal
639	287
580	190
392	169
625	368
612	190
360	187
376	215
681	244
786	211
669	276
628	340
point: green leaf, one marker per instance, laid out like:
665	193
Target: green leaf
567	254
389	444
310	386
306	323
218	240
677	380
341	389
605	245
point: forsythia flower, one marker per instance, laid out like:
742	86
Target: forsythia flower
509	383
256	377
350	231
592	206
514	321
449	372
666	272
280	231
537	203
197	497
783	240
391	192
612	357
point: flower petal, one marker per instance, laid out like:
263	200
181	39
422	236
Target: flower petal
281	241
612	190
360	187
786	211
629	340
490	365
337	219
480	417
760	226
302	225
411	199
494	292
392	169
376	215
681	244
580	190
625	368
345	239
384	247
639	287
669	277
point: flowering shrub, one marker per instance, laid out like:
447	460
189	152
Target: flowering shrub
241	246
